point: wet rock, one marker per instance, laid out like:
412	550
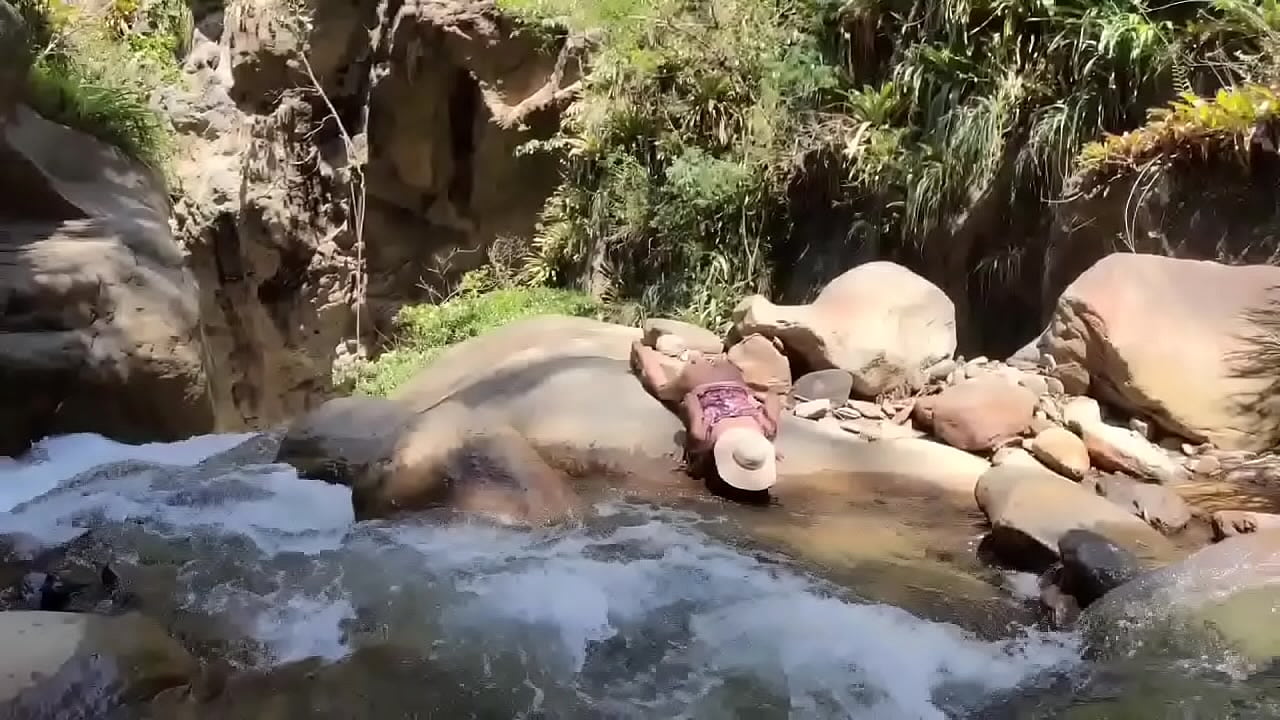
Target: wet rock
1062	607
1092	566
979	415
693	337
834	385
880	321
340	440
813	409
1159	505
1123	450
1174	340
85	663
1061	451
455	458
1229	523
1031	508
1218	603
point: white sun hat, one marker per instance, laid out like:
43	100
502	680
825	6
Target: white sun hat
745	459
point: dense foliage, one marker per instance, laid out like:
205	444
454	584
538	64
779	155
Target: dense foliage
699	119
97	66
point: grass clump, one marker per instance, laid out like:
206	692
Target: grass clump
96	70
422	332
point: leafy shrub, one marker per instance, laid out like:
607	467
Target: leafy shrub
422	332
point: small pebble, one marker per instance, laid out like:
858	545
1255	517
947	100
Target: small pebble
813	409
1206	465
1140	426
867	409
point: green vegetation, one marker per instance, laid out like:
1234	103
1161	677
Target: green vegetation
1222	125
96	71
701	120
424	331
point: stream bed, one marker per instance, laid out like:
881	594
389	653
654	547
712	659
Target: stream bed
639	611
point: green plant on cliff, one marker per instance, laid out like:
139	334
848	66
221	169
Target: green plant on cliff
700	120
97	67
422	332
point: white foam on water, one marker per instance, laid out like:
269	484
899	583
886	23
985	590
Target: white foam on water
57	459
691	612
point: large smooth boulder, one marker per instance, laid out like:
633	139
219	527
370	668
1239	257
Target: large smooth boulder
880	321
1183	342
979	415
85	665
561	382
99	319
1218	602
1124	450
1031	509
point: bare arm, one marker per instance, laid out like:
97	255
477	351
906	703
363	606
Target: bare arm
772	413
648	365
697	439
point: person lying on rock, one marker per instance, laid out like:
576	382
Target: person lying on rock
731	428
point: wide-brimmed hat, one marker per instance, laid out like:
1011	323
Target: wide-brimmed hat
745	459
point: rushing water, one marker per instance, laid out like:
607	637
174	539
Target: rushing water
638	612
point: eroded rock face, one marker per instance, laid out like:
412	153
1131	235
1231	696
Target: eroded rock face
433	97
880	321
1180	341
99	324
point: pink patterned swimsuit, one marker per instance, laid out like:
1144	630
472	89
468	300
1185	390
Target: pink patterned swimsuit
725	399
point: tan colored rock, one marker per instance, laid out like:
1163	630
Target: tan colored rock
1061	451
1037	384
78	662
883	323
763	365
1123	450
470	461
1159	505
867	409
1030	509
691	336
1206	465
1081	412
1229	523
1176	341
979	415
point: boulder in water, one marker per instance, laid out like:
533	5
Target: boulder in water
1092	565
1061	451
340	440
1219	602
87	662
880	321
1159	505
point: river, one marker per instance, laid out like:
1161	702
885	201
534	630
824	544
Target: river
639	611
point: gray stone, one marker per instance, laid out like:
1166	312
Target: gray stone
833	384
1093	565
1159	505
